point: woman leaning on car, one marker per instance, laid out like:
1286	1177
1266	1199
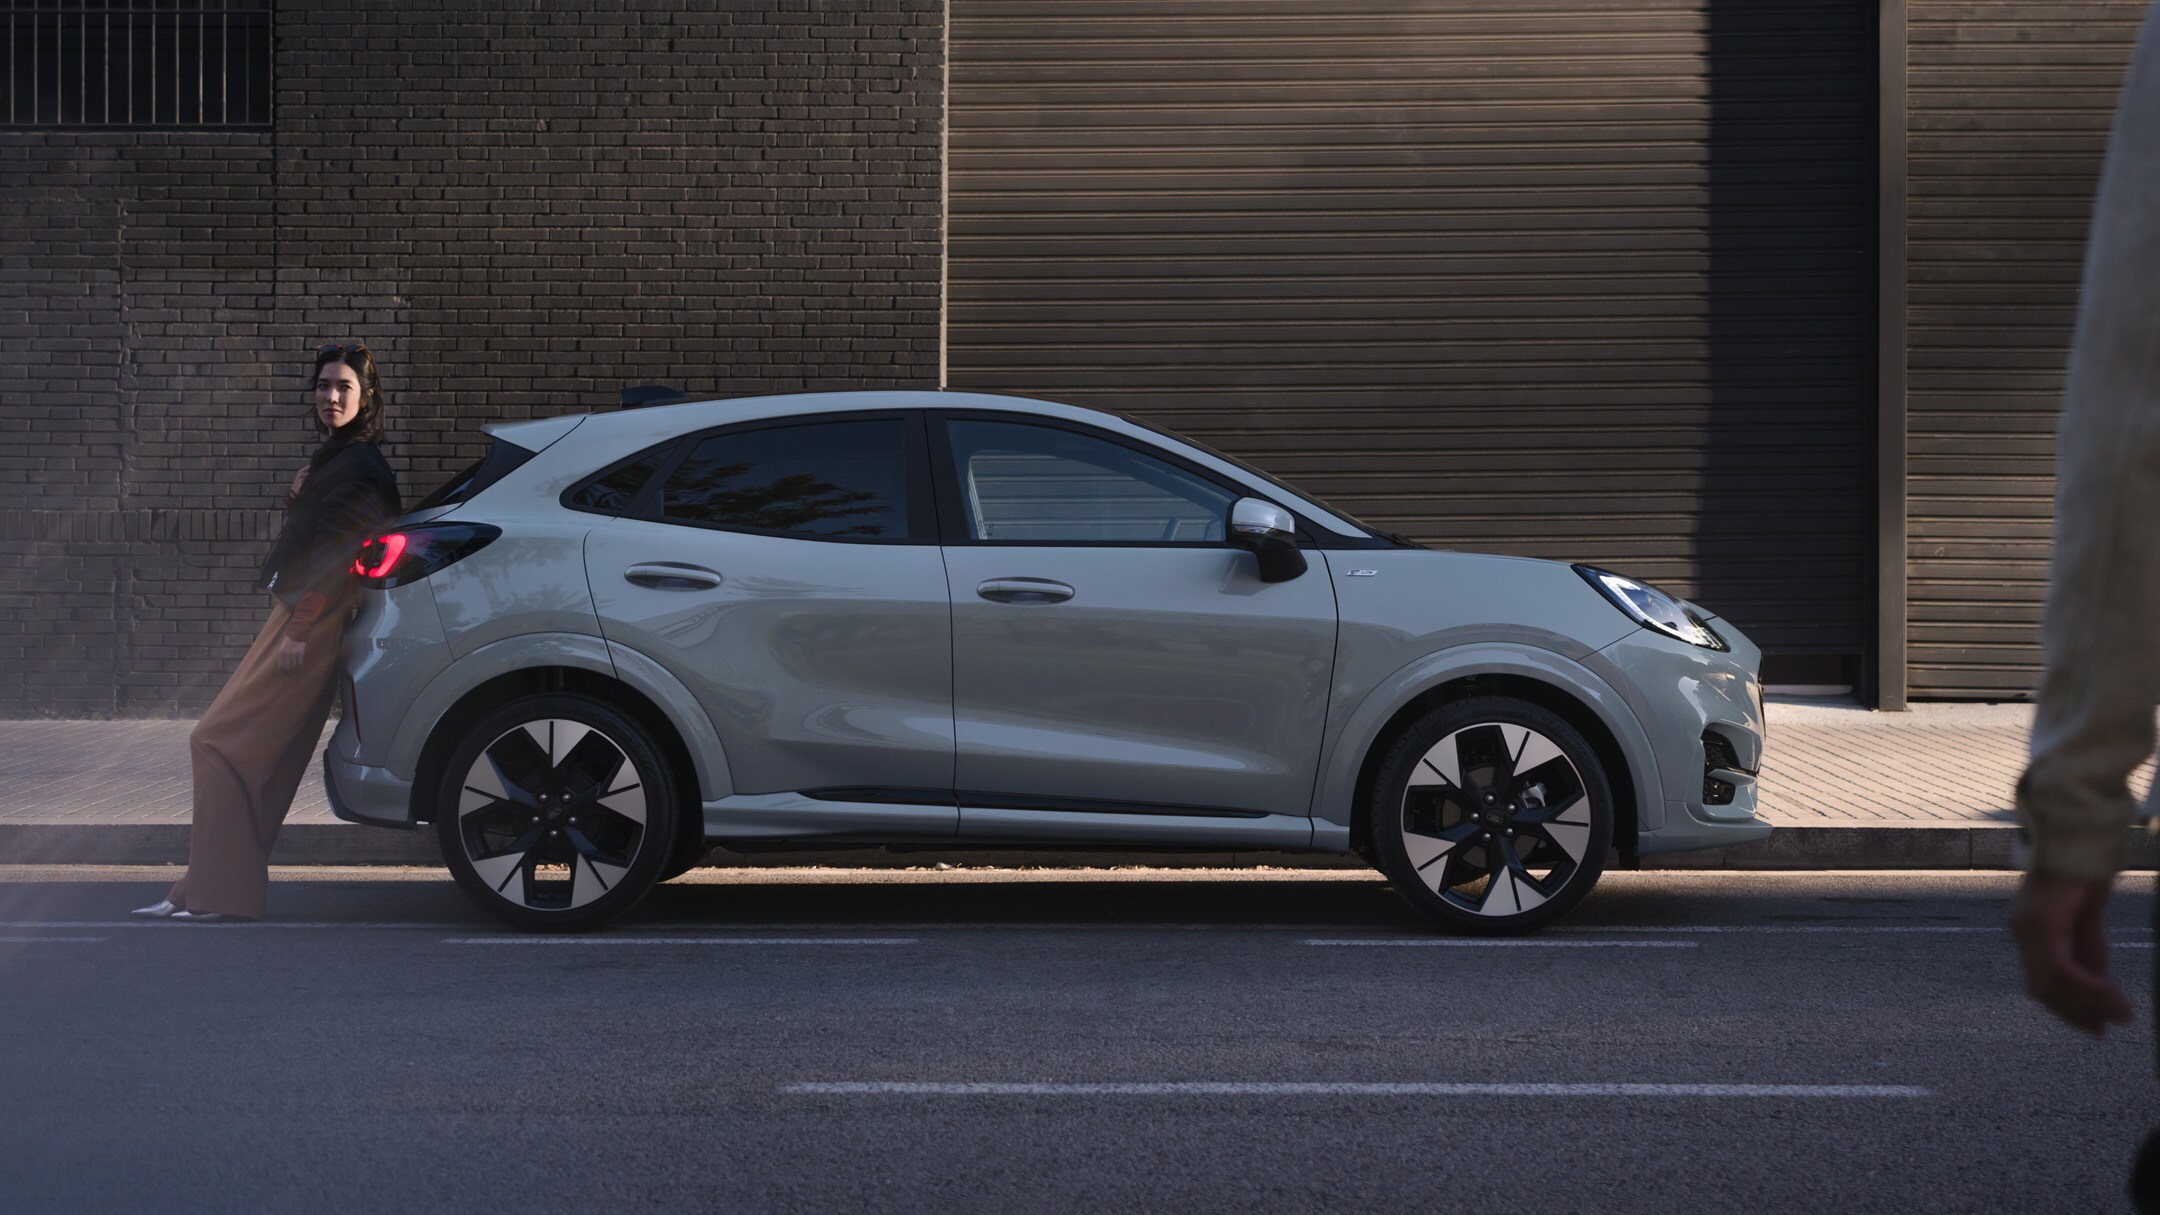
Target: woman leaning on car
253	746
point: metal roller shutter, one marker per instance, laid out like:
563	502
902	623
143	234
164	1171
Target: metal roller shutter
1587	279
2008	109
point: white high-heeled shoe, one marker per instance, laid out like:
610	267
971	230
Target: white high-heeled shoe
163	909
202	917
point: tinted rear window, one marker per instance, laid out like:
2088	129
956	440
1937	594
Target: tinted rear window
827	480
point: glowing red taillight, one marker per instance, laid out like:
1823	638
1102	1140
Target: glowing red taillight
412	553
380	555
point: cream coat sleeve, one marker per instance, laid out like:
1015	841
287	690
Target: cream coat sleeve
2101	629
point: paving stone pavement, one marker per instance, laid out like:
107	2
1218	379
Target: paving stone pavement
1828	765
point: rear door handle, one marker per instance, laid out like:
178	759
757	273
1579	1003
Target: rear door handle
1024	590
670	576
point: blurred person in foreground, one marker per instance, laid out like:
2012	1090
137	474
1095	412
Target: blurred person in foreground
2101	630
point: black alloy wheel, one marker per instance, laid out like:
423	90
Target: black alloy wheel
1492	815
557	812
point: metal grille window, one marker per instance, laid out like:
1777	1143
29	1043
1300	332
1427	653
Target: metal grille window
139	63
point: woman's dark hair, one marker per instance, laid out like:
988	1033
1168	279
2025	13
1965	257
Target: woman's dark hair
367	425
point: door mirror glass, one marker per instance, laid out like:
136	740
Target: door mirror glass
1271	533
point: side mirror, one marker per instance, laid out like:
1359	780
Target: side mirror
1271	533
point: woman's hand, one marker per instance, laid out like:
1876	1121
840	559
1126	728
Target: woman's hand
298	479
289	654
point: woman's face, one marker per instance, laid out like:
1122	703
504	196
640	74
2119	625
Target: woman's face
337	394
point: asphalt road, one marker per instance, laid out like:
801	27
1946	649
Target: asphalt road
986	1042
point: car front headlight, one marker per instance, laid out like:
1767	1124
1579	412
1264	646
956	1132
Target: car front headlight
1653	608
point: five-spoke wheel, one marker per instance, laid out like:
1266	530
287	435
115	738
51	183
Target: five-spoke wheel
556	812
1492	815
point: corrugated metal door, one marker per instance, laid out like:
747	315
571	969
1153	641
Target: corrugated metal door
2008	114
1586	278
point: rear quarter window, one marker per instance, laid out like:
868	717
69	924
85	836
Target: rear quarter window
615	492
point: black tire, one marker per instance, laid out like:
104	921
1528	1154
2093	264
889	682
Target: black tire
686	858
1477	845
557	812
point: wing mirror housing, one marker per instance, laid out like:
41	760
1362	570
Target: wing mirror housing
1270	533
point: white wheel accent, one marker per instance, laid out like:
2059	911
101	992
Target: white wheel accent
557	737
1424	850
628	801
1500	896
1534	751
566	736
1573	838
497	871
1515	737
483	787
1440	763
592	880
1519	897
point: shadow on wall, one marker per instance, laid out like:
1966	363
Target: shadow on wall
1784	539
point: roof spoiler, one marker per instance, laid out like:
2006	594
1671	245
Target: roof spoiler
651	394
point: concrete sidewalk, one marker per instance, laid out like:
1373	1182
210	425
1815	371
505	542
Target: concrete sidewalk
1847	787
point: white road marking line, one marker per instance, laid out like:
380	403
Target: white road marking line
32	940
1807	928
1293	1089
219	927
679	941
2131	944
1502	943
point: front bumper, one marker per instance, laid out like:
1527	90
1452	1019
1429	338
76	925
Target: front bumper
373	797
1680	692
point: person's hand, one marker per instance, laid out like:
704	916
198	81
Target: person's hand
2057	924
298	479
289	654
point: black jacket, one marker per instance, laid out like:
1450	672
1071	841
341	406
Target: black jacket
351	494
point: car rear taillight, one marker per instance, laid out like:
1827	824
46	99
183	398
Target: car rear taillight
412	553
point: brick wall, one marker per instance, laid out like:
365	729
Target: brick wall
520	208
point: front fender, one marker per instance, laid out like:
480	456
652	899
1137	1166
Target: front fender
577	652
1335	806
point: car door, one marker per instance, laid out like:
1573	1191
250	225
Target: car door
1119	670
788	573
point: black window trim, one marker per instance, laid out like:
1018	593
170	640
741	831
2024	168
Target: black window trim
919	503
952	514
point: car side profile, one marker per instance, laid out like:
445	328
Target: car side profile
951	620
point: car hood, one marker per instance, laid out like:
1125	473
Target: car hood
1429	599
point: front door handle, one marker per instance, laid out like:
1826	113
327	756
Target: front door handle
671	576
1024	590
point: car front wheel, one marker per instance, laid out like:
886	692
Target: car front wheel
1492	815
556	812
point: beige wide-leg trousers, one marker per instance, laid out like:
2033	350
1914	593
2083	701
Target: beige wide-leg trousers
250	752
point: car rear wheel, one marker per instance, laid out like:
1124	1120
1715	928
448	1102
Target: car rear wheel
557	812
1492	815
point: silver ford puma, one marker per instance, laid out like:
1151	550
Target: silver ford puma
952	620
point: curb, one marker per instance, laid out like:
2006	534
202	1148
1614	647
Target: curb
1894	846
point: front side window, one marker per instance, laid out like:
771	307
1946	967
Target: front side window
1039	483
820	480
